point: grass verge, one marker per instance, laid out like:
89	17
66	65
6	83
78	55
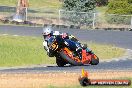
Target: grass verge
102	9
34	3
16	51
59	79
21	51
106	51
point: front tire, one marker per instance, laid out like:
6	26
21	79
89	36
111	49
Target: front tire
60	62
94	61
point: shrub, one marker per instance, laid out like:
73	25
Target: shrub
79	5
130	1
119	7
116	19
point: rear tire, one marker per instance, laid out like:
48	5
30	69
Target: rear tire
94	61
69	60
60	62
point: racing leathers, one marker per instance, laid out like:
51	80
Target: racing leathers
46	38
73	43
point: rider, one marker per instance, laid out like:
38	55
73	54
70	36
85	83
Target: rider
48	32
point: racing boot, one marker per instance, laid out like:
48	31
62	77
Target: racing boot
89	51
84	46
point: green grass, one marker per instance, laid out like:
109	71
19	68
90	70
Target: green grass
101	18
19	51
102	9
106	51
34	3
37	8
45	3
22	51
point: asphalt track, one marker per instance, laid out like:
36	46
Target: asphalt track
118	38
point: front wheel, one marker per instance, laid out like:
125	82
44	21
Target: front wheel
94	61
60	62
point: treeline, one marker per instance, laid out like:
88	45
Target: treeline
114	6
79	5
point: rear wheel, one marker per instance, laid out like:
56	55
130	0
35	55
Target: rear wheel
60	62
69	60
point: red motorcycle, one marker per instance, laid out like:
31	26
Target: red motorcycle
60	48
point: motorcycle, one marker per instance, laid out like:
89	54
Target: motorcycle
60	48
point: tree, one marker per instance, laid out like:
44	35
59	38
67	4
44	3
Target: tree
79	5
74	12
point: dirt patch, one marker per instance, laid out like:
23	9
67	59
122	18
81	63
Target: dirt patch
42	80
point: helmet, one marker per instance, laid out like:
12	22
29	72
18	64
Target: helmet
47	31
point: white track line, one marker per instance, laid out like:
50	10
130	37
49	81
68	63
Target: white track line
4	34
124	59
15	35
117	59
107	61
21	67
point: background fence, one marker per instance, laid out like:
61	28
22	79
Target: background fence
83	20
113	21
35	17
70	19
